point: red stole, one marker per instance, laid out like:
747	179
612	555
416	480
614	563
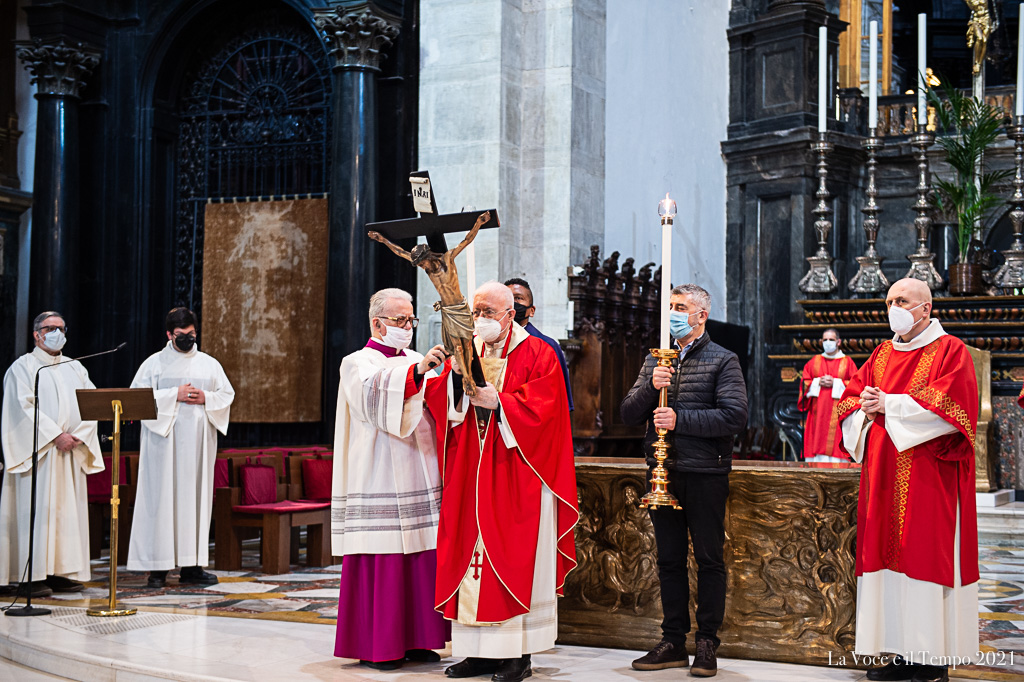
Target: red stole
821	432
494	492
906	514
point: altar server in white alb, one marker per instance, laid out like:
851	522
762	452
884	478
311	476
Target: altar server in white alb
178	452
68	450
387	490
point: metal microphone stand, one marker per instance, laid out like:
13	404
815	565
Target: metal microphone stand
28	609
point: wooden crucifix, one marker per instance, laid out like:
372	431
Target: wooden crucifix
438	261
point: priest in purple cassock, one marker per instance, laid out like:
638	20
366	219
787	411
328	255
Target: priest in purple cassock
386	496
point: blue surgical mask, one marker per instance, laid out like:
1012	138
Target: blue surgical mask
829	346
679	324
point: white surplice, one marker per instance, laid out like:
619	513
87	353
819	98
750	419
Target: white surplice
62	518
537	629
171	525
922	621
386	489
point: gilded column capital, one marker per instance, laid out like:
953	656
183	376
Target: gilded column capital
357	33
58	68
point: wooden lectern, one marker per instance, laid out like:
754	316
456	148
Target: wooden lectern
106	404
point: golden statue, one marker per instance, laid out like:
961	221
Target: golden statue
979	28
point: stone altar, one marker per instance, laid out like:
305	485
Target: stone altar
790	528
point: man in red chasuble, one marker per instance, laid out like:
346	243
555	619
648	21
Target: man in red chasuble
824	379
910	415
508	504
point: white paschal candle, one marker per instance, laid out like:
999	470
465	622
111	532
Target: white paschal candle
922	68
822	77
873	76
1018	104
666	281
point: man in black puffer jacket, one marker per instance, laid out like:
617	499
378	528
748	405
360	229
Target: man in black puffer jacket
707	400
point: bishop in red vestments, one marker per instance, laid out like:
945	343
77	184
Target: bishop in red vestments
508	504
910	415
824	379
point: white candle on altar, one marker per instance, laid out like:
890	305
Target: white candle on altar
471	271
822	77
667	211
1018	104
873	76
922	68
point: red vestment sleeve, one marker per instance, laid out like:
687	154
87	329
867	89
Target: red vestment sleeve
803	403
412	387
850	402
951	392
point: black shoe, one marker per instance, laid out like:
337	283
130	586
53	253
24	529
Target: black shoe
38	588
705	663
195	575
157	579
383	665
896	669
471	667
513	669
930	673
422	656
665	655
59	583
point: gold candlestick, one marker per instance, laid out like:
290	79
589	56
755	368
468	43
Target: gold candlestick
659	496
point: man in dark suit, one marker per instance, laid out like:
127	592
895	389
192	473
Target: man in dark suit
523	297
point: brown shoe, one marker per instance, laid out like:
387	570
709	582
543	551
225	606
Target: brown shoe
705	663
665	655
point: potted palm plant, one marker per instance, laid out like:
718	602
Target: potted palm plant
968	126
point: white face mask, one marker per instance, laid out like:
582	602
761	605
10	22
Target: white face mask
398	338
829	346
901	320
54	340
487	329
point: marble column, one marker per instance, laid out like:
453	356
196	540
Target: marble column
356	33
58	70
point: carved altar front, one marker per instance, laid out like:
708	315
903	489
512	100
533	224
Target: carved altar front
789	553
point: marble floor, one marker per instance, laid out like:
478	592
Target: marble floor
199	648
68	645
231	633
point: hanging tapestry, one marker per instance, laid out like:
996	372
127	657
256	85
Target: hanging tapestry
264	297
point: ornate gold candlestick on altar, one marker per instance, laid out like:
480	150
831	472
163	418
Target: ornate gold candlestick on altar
659	496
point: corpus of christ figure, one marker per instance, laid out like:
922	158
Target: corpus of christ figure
456	317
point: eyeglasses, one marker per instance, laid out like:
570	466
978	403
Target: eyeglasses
46	330
487	312
402	321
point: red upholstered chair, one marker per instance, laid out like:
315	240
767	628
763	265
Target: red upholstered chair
259	500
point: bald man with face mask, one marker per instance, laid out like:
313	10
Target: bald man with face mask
910	416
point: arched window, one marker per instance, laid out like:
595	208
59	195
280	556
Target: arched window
253	122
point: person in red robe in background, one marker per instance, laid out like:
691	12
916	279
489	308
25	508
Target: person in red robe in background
822	384
508	503
910	415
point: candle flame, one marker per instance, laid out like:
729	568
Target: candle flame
667	207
